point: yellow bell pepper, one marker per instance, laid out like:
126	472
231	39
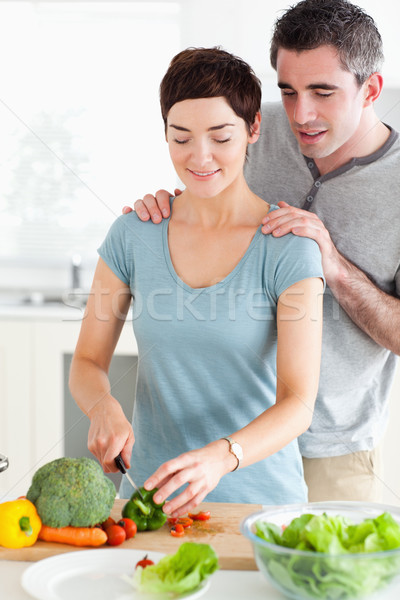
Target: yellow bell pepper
19	524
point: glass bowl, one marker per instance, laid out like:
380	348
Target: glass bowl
303	574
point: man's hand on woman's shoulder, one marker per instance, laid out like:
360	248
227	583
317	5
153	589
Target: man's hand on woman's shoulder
152	207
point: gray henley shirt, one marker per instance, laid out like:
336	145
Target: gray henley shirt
359	203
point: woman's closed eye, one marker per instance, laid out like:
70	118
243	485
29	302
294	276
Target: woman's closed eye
185	141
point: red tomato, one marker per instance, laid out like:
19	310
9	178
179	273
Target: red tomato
177	530
145	562
115	535
203	515
129	527
184	521
105	524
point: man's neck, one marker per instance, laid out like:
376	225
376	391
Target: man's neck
370	136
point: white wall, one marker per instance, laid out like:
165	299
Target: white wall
245	26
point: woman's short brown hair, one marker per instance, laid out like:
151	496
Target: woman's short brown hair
209	73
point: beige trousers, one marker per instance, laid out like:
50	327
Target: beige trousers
356	476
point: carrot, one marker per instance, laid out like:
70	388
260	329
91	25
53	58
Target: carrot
76	536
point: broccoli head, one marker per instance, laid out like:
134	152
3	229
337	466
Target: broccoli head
72	491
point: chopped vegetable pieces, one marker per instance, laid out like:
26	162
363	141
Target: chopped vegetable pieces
144	562
184	521
177	530
203	515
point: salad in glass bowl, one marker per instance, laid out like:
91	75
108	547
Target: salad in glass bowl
327	550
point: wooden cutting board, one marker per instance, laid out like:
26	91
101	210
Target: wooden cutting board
221	532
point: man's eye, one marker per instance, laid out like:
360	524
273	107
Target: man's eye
322	95
284	93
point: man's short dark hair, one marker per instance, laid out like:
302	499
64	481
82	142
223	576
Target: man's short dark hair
337	23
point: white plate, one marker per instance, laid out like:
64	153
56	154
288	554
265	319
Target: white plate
92	574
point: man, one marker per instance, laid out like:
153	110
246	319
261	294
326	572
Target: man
334	167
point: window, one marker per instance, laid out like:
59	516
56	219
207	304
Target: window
82	133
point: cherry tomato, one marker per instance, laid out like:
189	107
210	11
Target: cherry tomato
145	562
184	521
115	535
129	527
105	524
177	530
203	515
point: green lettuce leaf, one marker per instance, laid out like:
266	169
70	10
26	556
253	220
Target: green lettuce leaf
325	534
292	536
268	532
178	573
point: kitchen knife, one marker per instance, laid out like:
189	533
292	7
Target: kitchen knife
121	467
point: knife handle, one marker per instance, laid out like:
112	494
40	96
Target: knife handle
120	463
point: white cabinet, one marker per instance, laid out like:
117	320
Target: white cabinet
32	393
16	374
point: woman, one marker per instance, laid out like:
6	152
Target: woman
228	321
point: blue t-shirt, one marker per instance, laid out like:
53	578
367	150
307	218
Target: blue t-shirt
207	356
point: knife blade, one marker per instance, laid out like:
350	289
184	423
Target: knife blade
121	467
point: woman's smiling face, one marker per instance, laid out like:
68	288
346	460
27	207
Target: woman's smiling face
207	143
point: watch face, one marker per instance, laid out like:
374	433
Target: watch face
237	449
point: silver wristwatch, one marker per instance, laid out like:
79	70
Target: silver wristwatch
235	449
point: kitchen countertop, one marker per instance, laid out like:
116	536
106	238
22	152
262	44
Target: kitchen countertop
47	312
